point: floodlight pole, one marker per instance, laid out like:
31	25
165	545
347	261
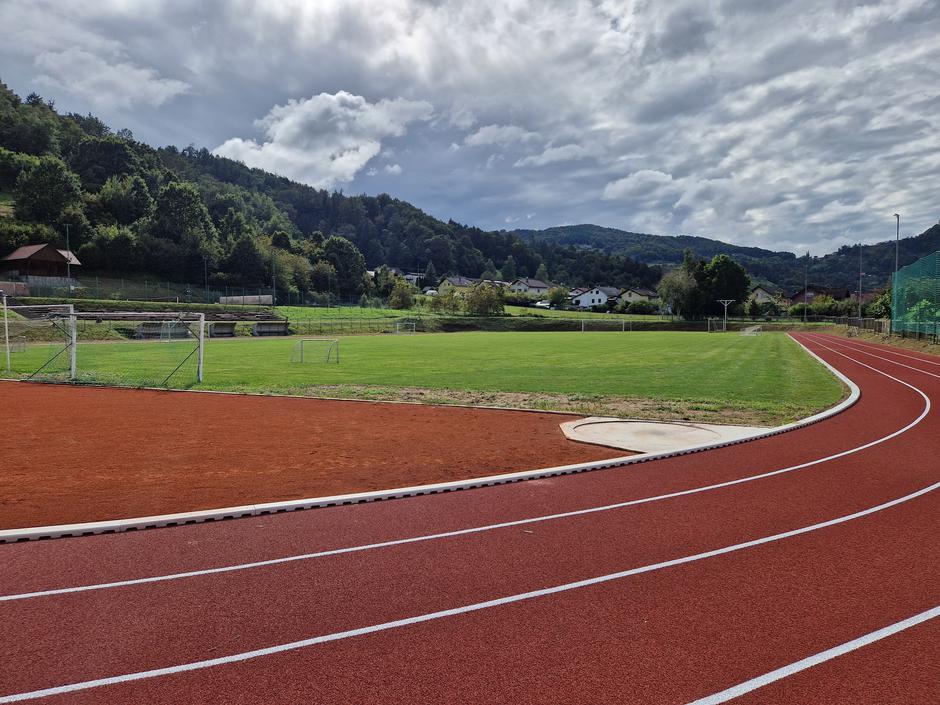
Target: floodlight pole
6	329
897	244
860	283
68	260
805	284
726	303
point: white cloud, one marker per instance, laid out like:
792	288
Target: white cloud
394	169
763	114
119	84
499	135
551	155
327	139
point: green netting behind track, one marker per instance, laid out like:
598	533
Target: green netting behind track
915	301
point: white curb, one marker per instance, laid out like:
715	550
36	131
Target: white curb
152	522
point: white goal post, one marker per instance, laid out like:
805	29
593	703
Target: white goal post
716	325
316	350
752	330
404	327
57	328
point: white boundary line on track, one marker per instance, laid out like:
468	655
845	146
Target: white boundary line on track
816	659
475	607
457	532
885	349
849	346
181	519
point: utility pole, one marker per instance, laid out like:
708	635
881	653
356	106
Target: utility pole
805	284
68	260
274	275
897	245
6	328
726	303
860	282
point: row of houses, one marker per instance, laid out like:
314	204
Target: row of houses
581	297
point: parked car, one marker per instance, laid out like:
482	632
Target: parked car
542	304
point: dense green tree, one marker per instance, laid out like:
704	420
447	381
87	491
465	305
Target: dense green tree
558	296
43	191
180	217
542	272
245	262
678	290
402	296
348	262
508	270
723	278
126	198
484	300
753	310
97	160
323	276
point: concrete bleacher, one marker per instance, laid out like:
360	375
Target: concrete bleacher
279	327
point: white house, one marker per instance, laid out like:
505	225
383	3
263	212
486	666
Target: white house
638	294
535	287
761	295
598	296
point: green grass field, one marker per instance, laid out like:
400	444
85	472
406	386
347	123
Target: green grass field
760	379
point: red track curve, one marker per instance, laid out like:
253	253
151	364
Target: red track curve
671	635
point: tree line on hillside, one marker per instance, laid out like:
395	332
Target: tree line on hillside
178	214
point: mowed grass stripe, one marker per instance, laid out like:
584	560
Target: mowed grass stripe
769	373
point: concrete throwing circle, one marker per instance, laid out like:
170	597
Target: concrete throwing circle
651	436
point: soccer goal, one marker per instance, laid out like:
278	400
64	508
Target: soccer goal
118	348
316	350
620	325
406	327
716	325
44	332
751	330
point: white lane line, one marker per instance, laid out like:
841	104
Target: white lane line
431	616
475	529
823	656
848	346
475	607
893	352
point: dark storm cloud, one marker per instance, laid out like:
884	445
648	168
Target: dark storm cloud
787	124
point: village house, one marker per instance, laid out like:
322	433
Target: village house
533	287
40	265
638	294
596	296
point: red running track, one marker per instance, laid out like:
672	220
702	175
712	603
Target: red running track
668	601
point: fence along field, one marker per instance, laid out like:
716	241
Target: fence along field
763	379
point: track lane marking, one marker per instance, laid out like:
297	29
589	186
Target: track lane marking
816	659
893	352
475	607
848	346
471	530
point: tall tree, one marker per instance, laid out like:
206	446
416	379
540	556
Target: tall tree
45	190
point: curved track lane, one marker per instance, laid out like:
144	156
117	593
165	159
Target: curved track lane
605	606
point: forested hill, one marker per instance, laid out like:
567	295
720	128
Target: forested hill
837	269
131	207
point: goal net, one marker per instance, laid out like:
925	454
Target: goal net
316	350
37	342
404	327
751	330
133	349
620	325
716	325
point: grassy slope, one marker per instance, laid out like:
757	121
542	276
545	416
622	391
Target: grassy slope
767	378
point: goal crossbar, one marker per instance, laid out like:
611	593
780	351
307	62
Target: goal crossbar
300	353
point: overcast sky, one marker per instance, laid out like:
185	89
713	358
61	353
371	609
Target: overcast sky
787	125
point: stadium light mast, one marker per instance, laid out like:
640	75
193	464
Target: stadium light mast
860	281
68	260
805	284
897	244
726	303
6	328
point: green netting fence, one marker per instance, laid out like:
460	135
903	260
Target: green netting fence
915	301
